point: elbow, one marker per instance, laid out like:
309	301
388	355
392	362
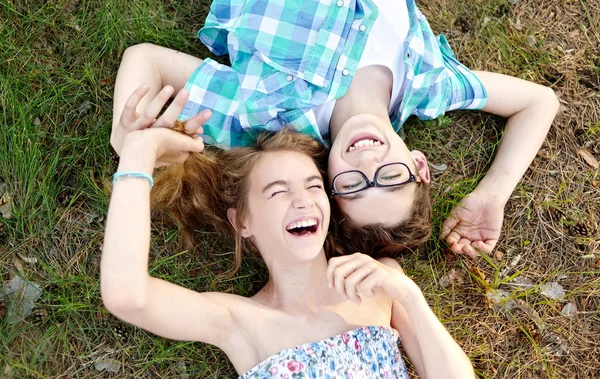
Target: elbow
552	99
121	302
139	53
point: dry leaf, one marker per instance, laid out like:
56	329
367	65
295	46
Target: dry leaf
2	309
552	290
110	365
588	158
595	183
477	272
569	310
106	81
84	107
517	25
521	282
70	8
454	276
498	301
439	167
5	206
19	265
31	260
22	294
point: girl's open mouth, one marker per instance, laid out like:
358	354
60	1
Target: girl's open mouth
303	227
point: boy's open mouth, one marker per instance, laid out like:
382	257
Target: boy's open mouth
303	227
363	142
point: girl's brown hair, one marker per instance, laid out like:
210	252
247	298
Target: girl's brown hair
198	193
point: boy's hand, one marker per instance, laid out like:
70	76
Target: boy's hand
134	120
474	224
359	275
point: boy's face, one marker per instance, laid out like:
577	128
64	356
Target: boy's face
365	143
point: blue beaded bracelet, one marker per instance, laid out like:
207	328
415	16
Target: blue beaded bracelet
136	175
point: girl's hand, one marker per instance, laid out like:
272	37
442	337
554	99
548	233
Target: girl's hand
359	275
161	146
131	120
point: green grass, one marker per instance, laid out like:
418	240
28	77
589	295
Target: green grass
57	71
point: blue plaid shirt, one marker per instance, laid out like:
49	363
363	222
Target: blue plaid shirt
289	56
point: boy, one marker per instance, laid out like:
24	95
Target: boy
351	71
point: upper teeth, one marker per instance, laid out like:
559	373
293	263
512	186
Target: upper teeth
302	224
364	142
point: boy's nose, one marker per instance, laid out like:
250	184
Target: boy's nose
368	163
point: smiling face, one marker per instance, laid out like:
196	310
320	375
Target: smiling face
365	143
288	209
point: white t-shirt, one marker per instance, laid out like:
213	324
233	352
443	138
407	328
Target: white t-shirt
384	47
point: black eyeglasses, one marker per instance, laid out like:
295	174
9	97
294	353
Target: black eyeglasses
388	175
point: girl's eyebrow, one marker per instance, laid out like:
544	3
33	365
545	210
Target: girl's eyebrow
285	183
275	183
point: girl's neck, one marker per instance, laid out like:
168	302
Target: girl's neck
297	287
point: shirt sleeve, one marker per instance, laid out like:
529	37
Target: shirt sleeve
466	91
216	87
223	13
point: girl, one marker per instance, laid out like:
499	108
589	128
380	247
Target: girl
313	318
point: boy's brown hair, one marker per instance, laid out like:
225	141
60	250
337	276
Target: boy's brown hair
381	241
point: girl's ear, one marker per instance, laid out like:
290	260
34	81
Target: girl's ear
422	167
232	217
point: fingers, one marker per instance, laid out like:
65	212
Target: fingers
198	121
447	226
129	111
156	105
486	247
333	264
453	237
341	273
168	118
353	281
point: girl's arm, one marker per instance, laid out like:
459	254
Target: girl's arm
401	322
128	291
164	72
530	108
440	356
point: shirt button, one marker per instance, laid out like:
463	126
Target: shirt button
345	72
362	28
290	78
340	3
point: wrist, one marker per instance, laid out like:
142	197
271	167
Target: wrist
405	291
493	190
137	154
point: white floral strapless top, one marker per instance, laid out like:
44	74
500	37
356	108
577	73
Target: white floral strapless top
366	352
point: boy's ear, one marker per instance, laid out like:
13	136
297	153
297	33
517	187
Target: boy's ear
422	167
232	217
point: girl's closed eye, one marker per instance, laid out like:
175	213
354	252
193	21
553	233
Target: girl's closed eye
276	192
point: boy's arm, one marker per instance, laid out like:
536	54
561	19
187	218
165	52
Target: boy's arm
163	70
476	221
